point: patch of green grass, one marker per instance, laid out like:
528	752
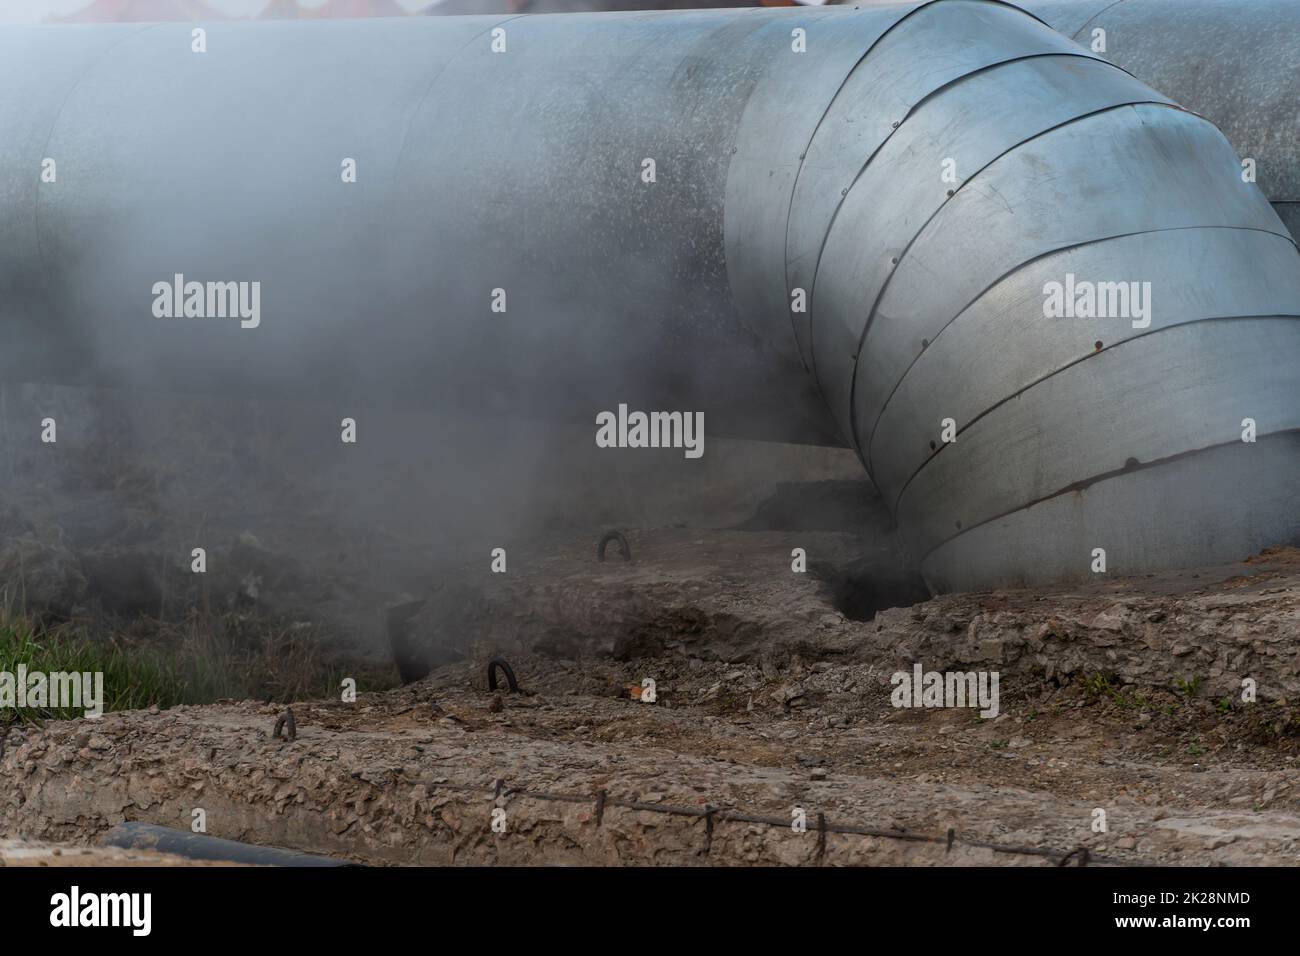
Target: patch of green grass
1097	686
130	680
193	666
1188	688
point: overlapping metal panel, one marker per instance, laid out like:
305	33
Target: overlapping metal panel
1236	62
923	173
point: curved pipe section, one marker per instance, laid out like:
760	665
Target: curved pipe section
1012	445
1236	63
833	224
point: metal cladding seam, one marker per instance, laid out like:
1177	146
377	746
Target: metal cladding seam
927	303
777	171
1236	62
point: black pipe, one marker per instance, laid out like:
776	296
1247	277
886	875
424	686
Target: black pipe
198	846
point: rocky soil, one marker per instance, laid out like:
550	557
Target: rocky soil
1123	697
764	599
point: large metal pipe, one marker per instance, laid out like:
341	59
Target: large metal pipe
918	174
1236	62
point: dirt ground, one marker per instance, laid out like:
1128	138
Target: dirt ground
16	853
1120	700
1125	732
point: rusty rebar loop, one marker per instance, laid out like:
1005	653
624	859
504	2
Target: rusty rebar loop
714	815
499	663
624	548
286	723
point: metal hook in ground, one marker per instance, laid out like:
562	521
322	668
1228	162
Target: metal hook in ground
624	548
506	669
286	723
709	813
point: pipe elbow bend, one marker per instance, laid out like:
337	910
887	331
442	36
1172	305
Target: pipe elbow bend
1041	302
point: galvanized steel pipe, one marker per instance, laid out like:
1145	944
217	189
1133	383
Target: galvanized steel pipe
853	220
1235	62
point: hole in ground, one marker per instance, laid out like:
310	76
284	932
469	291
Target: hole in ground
861	589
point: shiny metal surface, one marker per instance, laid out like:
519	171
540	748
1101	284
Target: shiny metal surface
772	152
875	105
1070	17
1236	62
775	170
1163	169
973	123
1098	417
1195	275
1136	519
